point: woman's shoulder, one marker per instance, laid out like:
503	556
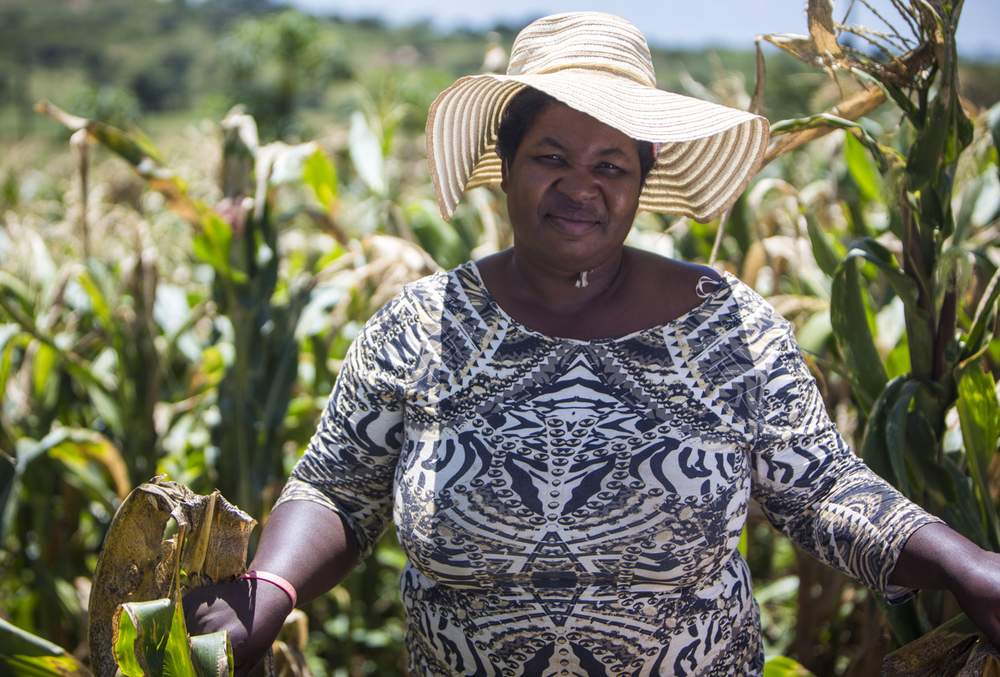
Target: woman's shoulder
424	309
682	274
676	289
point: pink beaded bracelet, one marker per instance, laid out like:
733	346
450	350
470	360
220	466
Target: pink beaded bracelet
273	579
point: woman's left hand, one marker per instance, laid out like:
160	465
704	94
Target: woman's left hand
937	557
976	586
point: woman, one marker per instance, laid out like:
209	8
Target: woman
567	433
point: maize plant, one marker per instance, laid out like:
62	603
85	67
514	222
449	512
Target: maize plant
935	266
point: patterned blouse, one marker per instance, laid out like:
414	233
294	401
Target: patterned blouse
573	507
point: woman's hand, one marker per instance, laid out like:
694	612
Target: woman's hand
250	611
976	586
939	558
304	543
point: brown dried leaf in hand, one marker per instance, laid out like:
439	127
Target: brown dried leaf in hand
139	557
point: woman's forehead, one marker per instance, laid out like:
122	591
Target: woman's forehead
565	128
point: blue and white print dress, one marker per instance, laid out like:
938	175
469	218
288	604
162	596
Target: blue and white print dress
573	507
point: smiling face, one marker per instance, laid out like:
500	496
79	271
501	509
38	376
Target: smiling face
572	190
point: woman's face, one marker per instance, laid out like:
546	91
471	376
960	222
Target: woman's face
572	190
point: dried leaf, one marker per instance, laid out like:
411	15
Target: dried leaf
801	47
821	27
850	108
137	563
757	100
943	651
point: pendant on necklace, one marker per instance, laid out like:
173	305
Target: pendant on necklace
581	280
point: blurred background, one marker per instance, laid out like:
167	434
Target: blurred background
201	202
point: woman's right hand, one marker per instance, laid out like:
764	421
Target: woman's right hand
250	611
306	544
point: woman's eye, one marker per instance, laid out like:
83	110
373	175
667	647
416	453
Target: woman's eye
610	168
551	159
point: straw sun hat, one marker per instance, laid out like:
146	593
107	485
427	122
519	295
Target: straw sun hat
598	64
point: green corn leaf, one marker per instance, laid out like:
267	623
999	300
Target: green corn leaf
940	141
212	655
918	326
108	407
962	513
979	416
23	654
815	332
366	154
130	146
17	292
783	666
151	638
437	236
862	169
744	543
74	364
95	464
213	244
138	152
901	98
826	251
821	120
934	487
139	636
897	442
97	299
8	478
977	336
874	450
177	656
875	252
849	316
967	209
993	122
44	373
11	339
320	174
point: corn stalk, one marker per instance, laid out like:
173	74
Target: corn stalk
905	416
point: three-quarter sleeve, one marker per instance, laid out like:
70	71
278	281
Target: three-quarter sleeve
350	462
810	484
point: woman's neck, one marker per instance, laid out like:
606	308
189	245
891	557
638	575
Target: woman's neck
559	290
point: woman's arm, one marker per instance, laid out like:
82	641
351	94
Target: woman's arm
939	558
304	543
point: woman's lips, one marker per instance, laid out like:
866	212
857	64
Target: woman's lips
573	224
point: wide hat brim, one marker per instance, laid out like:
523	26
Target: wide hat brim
707	153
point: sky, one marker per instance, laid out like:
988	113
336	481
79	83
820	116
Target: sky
666	23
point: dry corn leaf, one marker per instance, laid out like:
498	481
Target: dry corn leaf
822	29
139	556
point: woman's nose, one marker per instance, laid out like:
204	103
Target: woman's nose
578	185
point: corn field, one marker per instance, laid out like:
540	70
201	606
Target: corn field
179	306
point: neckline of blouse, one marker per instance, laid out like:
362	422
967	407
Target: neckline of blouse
709	301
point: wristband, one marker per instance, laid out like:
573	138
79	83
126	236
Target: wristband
273	579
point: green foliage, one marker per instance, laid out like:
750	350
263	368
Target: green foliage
783	666
852	326
270	61
150	638
908	185
979	414
25	655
